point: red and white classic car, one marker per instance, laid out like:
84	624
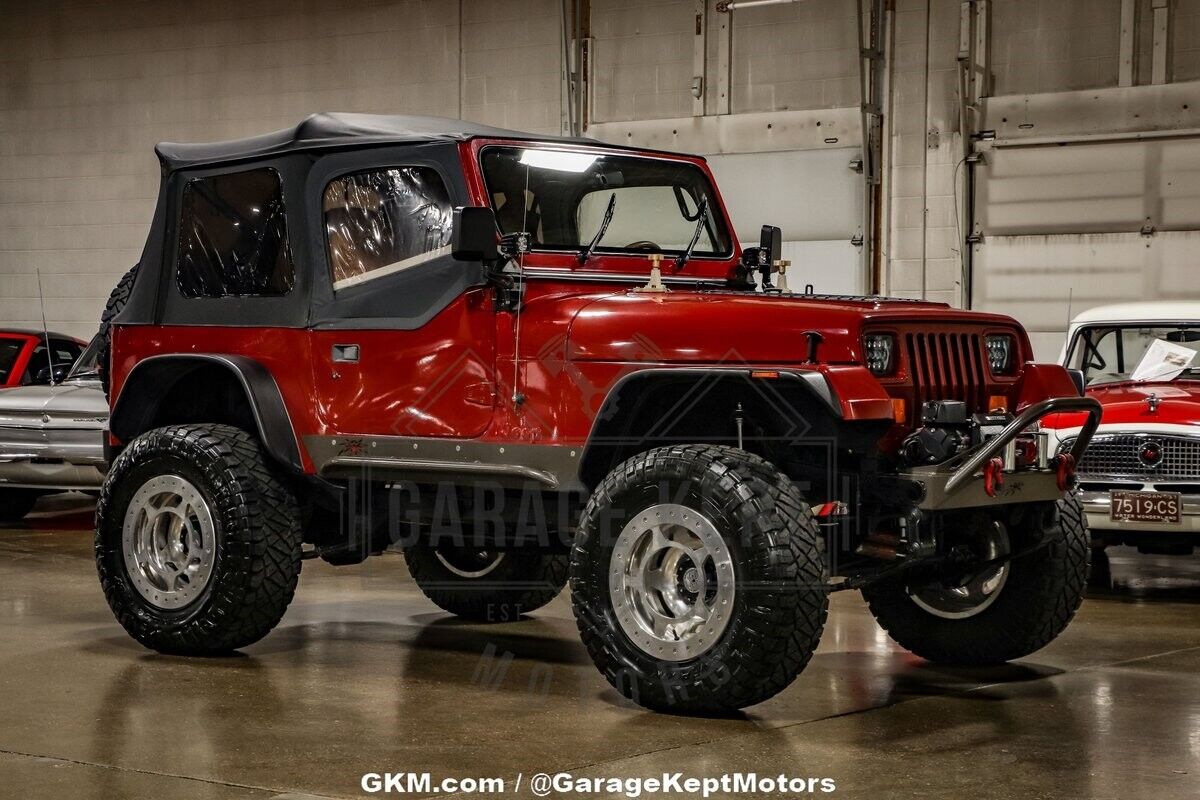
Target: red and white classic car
1139	479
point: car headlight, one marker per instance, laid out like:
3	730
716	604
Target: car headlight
1000	353
879	348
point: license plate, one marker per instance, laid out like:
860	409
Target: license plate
1145	507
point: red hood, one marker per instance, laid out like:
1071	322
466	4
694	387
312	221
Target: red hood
715	327
1177	403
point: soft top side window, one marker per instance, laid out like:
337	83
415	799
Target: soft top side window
382	221
233	237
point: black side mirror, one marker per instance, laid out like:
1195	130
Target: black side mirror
770	241
769	250
46	376
1079	381
473	237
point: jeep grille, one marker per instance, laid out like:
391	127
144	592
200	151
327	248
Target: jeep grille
1119	455
947	366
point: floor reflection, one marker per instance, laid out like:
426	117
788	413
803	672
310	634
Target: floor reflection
365	673
1124	573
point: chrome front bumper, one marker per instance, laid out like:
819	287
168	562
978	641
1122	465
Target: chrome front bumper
39	457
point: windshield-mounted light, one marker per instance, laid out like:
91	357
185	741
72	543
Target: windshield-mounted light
558	160
879	349
1000	353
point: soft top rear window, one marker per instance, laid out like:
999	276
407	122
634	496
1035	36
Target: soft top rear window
233	236
561	197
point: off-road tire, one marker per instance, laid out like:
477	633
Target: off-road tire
116	301
523	581
781	579
257	562
1040	596
16	503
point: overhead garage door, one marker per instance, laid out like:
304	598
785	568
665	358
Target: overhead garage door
1085	224
814	197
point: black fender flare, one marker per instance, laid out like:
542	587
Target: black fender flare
151	379
809	384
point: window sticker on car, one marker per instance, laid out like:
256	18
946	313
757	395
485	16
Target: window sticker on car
1163	362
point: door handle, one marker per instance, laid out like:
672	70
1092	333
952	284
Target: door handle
345	353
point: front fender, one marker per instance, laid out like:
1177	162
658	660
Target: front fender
857	393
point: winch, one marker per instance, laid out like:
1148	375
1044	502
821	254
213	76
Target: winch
947	430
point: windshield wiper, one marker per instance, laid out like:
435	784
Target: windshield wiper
608	215
701	218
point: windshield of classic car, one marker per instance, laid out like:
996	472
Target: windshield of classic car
87	365
9	350
561	197
1111	354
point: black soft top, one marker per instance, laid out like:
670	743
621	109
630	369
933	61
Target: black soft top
333	130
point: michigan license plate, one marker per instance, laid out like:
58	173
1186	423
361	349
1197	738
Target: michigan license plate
1145	507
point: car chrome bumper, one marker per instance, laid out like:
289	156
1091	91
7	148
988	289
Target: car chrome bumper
52	475
1096	506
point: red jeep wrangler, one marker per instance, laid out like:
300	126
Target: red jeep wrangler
526	358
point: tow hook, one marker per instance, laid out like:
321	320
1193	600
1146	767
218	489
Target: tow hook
1064	471
993	476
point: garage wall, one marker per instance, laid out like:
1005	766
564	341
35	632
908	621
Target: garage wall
1084	224
1185	40
1053	45
802	56
1090	192
924	154
87	88
642	59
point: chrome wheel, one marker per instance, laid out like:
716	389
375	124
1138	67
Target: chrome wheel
169	542
977	592
469	563
671	581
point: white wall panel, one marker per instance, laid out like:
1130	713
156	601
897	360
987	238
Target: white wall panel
833	267
810	194
814	197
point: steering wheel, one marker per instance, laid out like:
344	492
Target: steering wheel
643	245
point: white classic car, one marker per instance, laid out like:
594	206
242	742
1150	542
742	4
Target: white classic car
1139	479
51	437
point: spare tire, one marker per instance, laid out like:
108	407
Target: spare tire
116	301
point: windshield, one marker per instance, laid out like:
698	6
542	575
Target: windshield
560	197
87	365
1112	353
9	350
